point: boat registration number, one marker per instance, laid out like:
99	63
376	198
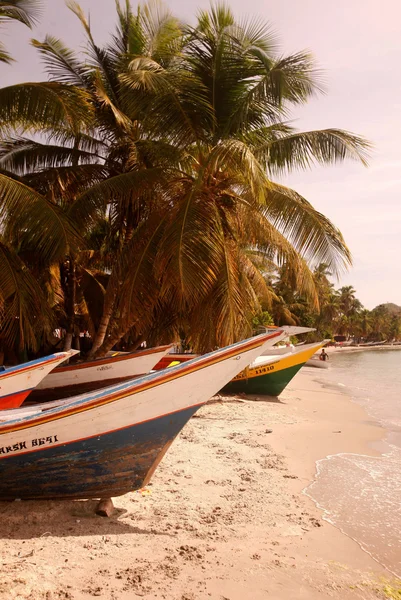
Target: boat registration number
45	441
254	372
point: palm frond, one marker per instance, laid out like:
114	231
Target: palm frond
24	313
148	88
36	105
310	233
191	248
63	184
61	63
98	196
5	57
100	60
302	150
23	155
42	223
26	12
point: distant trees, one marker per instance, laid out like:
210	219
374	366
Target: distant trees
337	312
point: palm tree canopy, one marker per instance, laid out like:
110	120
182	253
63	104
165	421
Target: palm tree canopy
23	11
171	136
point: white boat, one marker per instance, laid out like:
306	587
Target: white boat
290	331
107	443
315	361
91	375
16	383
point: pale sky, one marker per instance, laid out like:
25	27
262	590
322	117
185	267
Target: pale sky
358	45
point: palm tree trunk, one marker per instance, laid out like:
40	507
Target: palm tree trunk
70	305
108	344
103	325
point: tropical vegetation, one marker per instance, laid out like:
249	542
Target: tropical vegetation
340	314
138	192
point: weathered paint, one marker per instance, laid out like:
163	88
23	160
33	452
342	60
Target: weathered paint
17	382
110	441
270	378
101	466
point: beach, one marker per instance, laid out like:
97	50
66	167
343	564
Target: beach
225	516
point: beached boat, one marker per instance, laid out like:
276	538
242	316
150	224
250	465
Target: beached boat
269	375
86	376
315	361
109	442
174	358
290	330
16	383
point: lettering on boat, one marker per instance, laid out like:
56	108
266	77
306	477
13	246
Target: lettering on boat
105	368
45	441
254	372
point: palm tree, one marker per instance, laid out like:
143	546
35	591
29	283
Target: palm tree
170	136
347	299
23	11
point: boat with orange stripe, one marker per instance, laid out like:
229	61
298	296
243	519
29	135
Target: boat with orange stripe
109	442
86	376
16	383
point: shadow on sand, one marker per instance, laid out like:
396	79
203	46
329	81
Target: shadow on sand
29	519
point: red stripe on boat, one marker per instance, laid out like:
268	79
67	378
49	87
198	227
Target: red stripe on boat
13	400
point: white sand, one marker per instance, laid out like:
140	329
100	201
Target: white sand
224	517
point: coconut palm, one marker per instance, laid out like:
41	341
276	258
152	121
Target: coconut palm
172	136
23	11
347	299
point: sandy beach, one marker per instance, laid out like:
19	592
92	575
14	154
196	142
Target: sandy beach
224	518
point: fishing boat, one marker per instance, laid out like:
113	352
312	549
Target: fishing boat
82	377
16	383
269	375
173	358
109	442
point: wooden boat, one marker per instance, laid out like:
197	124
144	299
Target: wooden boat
16	383
83	377
109	442
174	357
269	375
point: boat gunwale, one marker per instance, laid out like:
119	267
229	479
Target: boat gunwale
106	360
250	372
33	364
113	393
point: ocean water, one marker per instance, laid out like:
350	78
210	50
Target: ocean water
361	494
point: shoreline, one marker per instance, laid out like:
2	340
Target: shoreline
343	349
362	436
225	515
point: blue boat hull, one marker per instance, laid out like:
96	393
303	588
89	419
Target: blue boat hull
103	466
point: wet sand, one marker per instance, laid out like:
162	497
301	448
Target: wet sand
224	518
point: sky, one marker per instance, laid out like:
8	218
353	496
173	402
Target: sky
357	44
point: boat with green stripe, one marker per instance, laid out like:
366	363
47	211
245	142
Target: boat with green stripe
269	375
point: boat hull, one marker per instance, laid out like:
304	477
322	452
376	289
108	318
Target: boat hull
272	378
108	465
109	442
317	364
84	377
269	384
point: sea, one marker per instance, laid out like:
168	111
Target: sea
361	494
